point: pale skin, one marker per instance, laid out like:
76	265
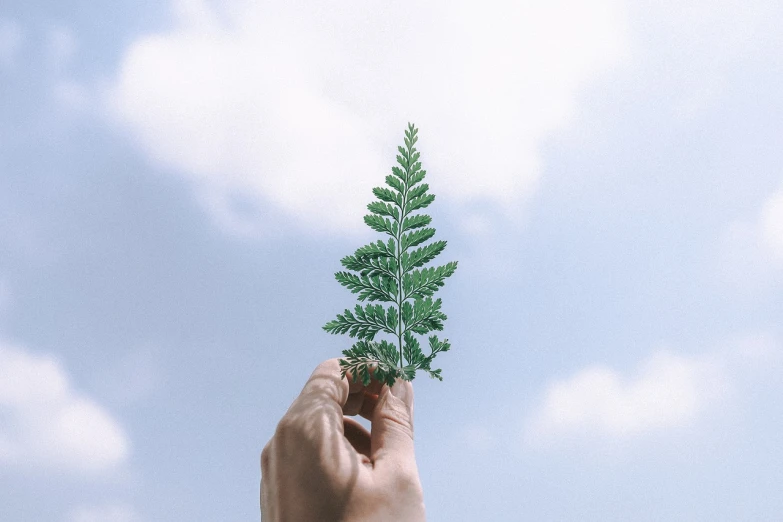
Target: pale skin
322	465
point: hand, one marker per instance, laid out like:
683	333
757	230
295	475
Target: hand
322	466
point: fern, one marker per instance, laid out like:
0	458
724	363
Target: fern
392	271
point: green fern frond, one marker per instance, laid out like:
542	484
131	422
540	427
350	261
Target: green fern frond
393	271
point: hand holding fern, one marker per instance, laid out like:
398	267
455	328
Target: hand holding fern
323	466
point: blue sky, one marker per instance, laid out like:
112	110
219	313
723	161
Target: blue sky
179	179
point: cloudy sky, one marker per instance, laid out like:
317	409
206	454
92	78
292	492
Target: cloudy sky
179	179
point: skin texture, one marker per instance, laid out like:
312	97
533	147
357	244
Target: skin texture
321	465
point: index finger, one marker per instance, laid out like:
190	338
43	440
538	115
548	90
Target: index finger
327	393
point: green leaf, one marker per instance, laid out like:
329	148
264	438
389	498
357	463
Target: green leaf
416	176
426	316
414	157
402	158
416	238
407	312
438	346
364	323
404	152
419	202
387	195
395	182
374	288
380	224
377	249
371	266
393	271
417	221
417	191
412	351
367	359
384	209
397	171
418	284
421	256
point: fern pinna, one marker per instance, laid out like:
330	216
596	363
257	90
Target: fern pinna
393	271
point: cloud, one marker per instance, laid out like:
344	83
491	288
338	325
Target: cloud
299	107
11	37
667	391
47	424
771	225
752	248
106	513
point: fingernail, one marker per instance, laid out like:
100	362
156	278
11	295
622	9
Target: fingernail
401	390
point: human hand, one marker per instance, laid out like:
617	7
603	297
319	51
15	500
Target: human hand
322	466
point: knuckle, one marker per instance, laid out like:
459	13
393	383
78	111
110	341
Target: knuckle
402	484
398	420
330	365
294	433
286	428
265	456
408	484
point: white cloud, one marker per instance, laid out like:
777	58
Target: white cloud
668	391
752	248
106	513
45	423
301	106
11	37
771	225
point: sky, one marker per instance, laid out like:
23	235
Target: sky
179	180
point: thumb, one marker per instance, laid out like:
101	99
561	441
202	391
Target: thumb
392	426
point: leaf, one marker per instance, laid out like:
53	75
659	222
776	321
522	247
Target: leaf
418	191
407	312
396	182
384	209
416	238
377	249
416	176
387	195
402	160
393	271
371	266
418	284
412	350
364	323
367	359
438	346
380	224
421	256
426	316
419	202
417	221
374	288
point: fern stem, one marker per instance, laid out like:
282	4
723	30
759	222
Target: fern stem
399	266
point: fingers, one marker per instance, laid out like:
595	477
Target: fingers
361	403
392	427
358	437
325	381
326	397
